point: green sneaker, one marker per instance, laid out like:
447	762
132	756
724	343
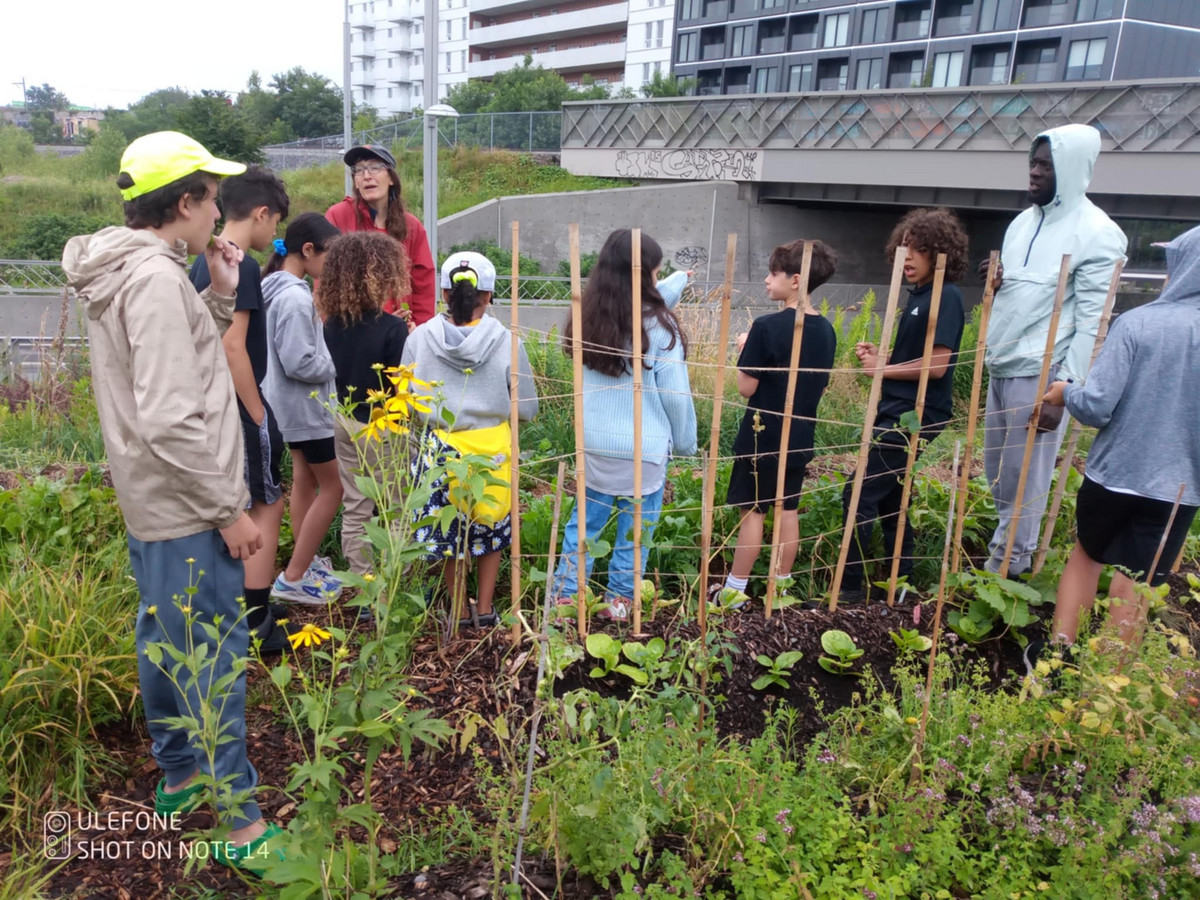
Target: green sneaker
177	802
251	857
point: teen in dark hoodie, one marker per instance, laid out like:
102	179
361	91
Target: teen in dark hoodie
1147	446
468	353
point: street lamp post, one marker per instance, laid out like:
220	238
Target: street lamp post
347	137
432	114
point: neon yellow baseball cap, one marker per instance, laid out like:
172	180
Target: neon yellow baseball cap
155	160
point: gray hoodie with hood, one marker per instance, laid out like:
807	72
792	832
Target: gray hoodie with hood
1032	255
298	362
472	365
163	390
1142	392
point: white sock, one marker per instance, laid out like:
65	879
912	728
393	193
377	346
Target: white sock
733	583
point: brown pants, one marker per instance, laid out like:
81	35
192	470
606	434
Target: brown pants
376	459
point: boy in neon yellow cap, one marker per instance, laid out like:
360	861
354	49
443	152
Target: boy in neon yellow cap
173	439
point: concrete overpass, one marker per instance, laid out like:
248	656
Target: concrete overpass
959	147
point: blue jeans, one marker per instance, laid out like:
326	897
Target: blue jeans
599	512
163	575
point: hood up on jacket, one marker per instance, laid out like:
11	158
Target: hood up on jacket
467	347
97	265
1075	149
278	282
1183	270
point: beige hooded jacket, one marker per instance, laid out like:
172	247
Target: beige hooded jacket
165	397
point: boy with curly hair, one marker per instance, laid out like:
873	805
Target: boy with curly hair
926	233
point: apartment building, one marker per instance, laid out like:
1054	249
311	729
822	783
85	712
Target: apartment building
387	49
763	46
621	44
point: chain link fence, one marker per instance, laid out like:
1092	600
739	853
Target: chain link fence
523	131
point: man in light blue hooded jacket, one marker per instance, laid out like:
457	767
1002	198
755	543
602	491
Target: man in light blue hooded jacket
1061	220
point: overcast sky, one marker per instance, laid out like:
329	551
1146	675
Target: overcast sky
112	52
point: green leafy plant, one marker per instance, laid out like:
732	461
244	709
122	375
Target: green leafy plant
643	659
992	602
778	669
909	640
842	652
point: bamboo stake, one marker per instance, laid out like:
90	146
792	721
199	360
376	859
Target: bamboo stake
864	446
1179	559
789	403
514	422
937	631
580	482
714	438
1162	544
1064	273
1074	428
636	599
914	440
964	477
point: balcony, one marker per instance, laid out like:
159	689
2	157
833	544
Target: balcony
497	7
404	12
951	25
912	31
1026	73
398	42
583	21
566	60
361	17
803	40
712	51
1054	14
364	49
989	75
399	73
772	44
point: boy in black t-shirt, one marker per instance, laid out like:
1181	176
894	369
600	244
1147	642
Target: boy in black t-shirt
926	233
765	354
253	205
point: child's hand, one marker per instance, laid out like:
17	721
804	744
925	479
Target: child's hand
223	258
242	537
1054	395
867	353
741	340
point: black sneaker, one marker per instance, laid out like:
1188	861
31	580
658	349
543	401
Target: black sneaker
486	620
274	638
852	597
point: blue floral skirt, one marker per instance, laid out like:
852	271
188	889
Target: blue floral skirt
480	539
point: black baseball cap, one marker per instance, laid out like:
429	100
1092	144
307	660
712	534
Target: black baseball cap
369	151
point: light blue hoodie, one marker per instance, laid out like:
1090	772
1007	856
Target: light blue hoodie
298	362
1142	394
1032	255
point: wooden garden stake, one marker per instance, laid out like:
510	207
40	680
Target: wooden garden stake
1064	273
1162	543
636	599
1179	559
914	440
864	446
1073	427
786	427
580	482
542	652
514	423
964	477
714	440
937	629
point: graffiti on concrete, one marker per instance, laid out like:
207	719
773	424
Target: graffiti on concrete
696	164
691	257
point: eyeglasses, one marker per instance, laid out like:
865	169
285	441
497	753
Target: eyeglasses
371	168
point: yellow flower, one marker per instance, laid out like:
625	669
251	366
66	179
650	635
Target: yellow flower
377	366
383	421
151	610
185	610
368	578
281	622
376	396
309	636
190	560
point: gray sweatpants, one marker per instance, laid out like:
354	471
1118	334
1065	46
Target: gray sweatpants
1009	405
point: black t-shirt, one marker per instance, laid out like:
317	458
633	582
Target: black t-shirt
377	338
249	299
767	356
899	397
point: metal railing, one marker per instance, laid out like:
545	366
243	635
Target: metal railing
1158	115
31	276
528	131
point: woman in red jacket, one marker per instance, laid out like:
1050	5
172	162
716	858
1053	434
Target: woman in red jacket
378	206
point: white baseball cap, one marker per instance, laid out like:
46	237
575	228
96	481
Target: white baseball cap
485	272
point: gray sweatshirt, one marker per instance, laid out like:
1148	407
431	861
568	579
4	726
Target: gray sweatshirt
1142	392
444	352
298	362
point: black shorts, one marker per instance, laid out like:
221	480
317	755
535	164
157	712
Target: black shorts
1125	530
264	449
315	452
753	479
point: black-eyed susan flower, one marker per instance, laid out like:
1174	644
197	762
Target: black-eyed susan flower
308	636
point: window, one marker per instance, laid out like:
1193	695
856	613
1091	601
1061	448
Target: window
1036	61
774	4
837	30
989	65
689	9
389	93
800	78
1046	12
764	80
717	9
954	17
869	75
912	21
906	70
658	67
449	25
389	32
658	33
462	60
802	31
1085	59
874	27
737	80
947	69
645	71
689	43
389	63
771	36
418	25
987	15
649	34
447	55
739	41
1095	9
833	74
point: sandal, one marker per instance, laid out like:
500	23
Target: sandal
251	857
177	801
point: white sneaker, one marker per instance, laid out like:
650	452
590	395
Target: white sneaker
323	566
311	590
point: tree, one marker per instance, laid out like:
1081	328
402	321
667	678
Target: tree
668	86
211	118
526	88
45	97
41	103
310	104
